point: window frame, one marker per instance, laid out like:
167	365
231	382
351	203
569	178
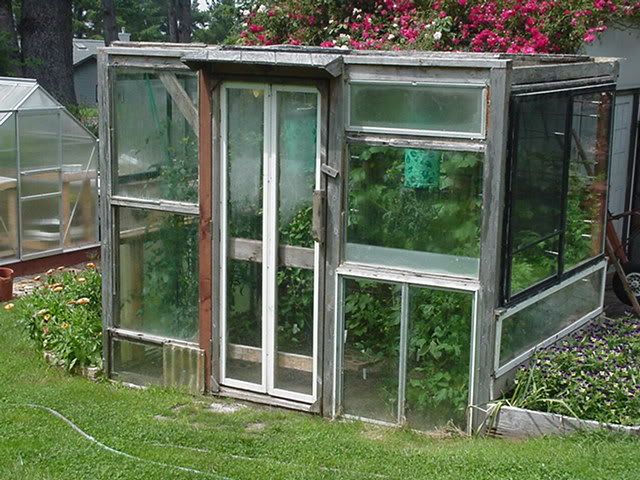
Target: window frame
481	135
508	252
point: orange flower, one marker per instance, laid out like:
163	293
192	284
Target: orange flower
57	289
9	306
91	265
81	279
82	301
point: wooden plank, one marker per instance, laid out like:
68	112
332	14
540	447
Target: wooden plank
205	229
288	255
180	98
559	72
512	422
493	192
294	361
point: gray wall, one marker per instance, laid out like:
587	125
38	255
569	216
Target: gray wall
624	44
85	79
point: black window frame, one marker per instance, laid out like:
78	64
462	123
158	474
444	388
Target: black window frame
507	298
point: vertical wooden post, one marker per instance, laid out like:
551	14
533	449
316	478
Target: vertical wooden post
205	228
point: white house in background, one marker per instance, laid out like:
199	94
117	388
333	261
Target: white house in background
624	192
85	77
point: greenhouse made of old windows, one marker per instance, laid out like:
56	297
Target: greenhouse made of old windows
48	176
375	235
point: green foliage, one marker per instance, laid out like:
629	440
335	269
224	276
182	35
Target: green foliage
383	212
63	316
218	24
88	116
592	375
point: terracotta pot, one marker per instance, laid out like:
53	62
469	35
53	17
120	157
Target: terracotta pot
6	284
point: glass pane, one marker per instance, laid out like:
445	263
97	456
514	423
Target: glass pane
40	224
79	184
39	139
536	191
8	189
534	264
413	208
245	144
418	107
586	203
40	183
244	321
158	273
546	317
137	363
297	149
294	330
155	145
439	342
371	350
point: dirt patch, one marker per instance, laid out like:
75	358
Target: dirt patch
255	427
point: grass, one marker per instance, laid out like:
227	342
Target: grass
173	428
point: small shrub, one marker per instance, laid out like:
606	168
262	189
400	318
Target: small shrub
63	316
593	375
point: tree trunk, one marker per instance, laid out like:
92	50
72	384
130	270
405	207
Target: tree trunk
10	39
47	46
109	22
179	21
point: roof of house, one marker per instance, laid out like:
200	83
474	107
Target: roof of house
84	49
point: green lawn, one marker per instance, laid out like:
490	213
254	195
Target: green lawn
169	429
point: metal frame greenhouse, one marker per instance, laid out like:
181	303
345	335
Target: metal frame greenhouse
376	235
48	176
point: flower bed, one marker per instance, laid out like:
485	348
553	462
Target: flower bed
592	375
63	316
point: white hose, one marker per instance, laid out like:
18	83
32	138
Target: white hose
113	450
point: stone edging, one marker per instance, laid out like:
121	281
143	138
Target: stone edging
91	373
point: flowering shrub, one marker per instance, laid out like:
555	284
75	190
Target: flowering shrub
514	26
63	315
594	375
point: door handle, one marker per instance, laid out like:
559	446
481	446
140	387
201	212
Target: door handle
318	216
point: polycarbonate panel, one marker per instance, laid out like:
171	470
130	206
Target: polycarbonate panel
444	109
157	273
39	137
370	373
79	184
137	363
40	183
415	209
40	224
438	356
39	99
549	315
8	190
155	145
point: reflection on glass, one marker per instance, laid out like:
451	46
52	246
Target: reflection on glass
158	273
371	349
586	206
294	330
534	264
297	133
155	143
546	317
245	139
414	208
537	188
439	342
418	107
244	321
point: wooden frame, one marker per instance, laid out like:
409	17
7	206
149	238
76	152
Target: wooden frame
330	71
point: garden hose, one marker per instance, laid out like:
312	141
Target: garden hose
113	450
